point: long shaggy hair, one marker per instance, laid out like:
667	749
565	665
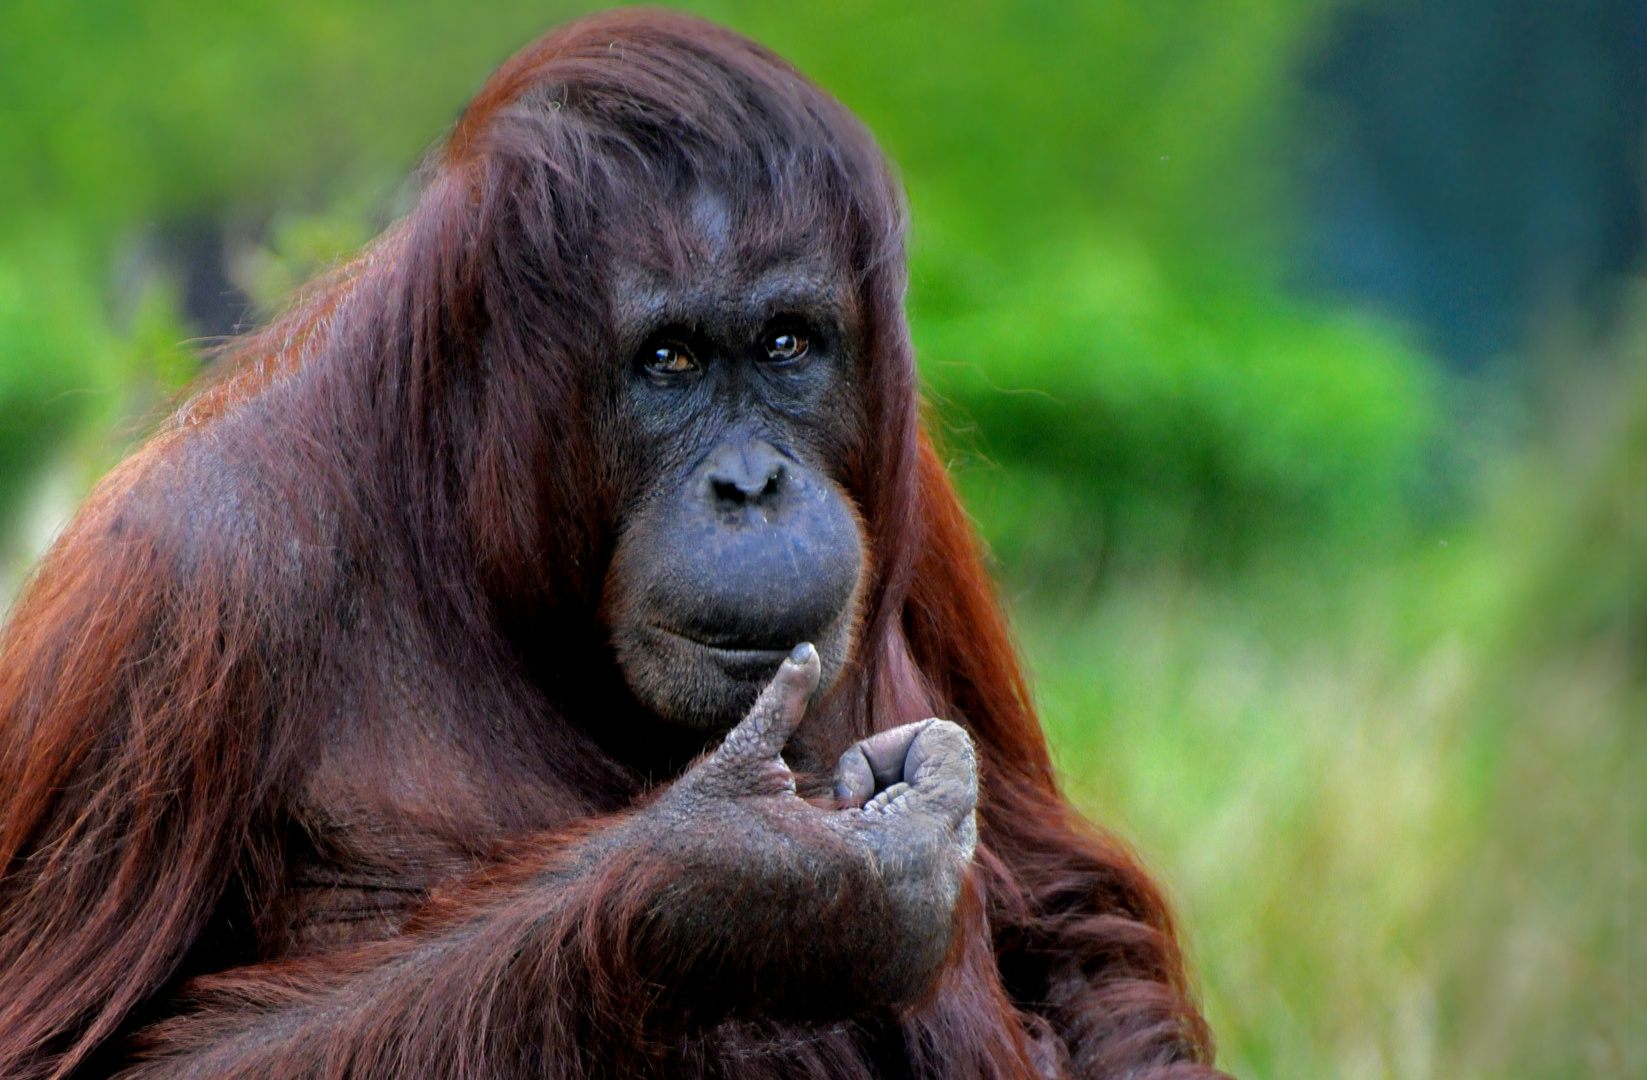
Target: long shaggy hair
394	495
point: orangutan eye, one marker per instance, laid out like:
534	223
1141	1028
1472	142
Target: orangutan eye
671	358
785	346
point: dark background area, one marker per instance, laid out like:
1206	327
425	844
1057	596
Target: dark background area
1482	166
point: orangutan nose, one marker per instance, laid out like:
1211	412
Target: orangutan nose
746	475
766	552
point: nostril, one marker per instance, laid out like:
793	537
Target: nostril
726	491
744	476
773	482
738	493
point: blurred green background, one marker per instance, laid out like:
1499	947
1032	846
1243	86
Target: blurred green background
1290	355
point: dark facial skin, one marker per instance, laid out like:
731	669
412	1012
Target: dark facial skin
734	398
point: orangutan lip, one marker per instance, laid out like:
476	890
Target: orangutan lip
726	657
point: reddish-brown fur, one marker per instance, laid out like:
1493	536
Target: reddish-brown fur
361	573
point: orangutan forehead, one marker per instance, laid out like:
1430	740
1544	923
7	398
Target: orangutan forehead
711	252
811	284
677	224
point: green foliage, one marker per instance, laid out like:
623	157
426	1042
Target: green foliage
1095	197
1171	426
121	113
53	350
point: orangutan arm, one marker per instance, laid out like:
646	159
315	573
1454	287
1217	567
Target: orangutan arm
728	892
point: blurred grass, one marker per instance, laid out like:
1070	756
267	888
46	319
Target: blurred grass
1402	807
1364	686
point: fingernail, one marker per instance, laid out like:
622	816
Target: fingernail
801	653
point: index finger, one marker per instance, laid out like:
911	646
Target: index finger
778	711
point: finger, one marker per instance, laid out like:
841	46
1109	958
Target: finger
854	779
778	711
942	768
935	746
875	763
886	797
886	751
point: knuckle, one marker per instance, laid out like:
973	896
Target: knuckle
949	733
